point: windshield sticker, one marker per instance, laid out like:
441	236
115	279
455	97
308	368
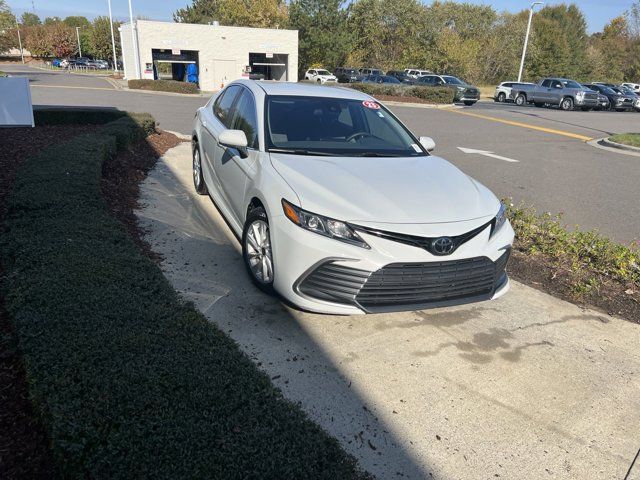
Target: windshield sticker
370	104
416	147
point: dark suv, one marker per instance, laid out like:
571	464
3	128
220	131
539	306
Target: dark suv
346	74
401	76
465	93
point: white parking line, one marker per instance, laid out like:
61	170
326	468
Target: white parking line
488	154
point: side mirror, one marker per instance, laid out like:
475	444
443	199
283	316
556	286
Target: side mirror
427	143
234	139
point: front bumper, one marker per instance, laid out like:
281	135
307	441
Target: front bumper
587	102
303	260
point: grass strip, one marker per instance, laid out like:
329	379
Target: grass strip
130	380
631	139
591	258
163	86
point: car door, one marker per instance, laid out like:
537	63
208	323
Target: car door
214	120
556	92
236	168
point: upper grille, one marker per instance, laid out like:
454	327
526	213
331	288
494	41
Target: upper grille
423	242
591	96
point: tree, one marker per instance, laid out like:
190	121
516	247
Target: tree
8	34
37	42
324	36
50	20
242	13
100	38
61	38
29	19
77	21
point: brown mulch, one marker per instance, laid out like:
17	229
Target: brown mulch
121	178
24	446
541	273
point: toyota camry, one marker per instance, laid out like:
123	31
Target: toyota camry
340	208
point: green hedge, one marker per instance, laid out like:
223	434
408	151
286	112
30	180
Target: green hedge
131	381
164	86
77	116
438	95
631	139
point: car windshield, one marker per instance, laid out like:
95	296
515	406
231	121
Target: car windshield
607	90
389	79
571	84
301	125
453	80
323	72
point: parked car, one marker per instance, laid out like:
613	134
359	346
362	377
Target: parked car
634	96
416	72
328	192
346	74
401	76
465	93
99	64
562	92
365	72
503	91
633	86
55	62
617	101
320	75
81	62
381	79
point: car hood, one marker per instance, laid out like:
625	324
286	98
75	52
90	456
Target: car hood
385	190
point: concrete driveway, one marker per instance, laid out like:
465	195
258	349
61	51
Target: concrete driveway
527	386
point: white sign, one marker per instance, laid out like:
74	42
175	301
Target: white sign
175	51
269	55
15	102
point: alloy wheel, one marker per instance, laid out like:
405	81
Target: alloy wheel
197	168
258	248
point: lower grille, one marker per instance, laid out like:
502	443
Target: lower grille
407	286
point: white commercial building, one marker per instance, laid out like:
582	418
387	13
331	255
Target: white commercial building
221	54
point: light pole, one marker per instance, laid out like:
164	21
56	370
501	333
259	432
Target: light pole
113	40
20	41
526	39
79	46
136	58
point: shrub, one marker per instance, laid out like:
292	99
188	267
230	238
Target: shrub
438	95
131	381
164	86
77	116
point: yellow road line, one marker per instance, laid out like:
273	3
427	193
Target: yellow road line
584	138
79	88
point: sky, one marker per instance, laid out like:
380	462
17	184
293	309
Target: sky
598	12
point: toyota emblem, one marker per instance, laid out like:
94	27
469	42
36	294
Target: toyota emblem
442	246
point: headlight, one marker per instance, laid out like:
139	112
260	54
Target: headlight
499	219
460	89
580	94
325	226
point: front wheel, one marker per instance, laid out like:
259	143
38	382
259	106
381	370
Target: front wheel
198	179
256	250
567	104
521	99
468	103
502	97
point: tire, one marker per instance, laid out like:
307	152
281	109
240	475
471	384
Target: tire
502	97
566	104
198	179
256	246
585	109
521	99
539	104
469	103
319	81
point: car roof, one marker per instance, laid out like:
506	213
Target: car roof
300	89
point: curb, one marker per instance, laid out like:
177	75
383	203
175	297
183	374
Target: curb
608	145
181	136
171	94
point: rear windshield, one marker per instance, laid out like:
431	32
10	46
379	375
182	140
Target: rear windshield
333	126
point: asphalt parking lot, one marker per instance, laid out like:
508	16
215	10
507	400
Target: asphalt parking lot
555	171
526	386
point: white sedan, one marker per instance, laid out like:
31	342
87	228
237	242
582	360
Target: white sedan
320	75
340	208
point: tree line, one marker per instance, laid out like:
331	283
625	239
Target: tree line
475	42
56	37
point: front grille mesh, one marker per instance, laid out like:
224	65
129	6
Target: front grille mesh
401	286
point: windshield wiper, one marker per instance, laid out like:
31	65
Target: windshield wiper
300	151
376	154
